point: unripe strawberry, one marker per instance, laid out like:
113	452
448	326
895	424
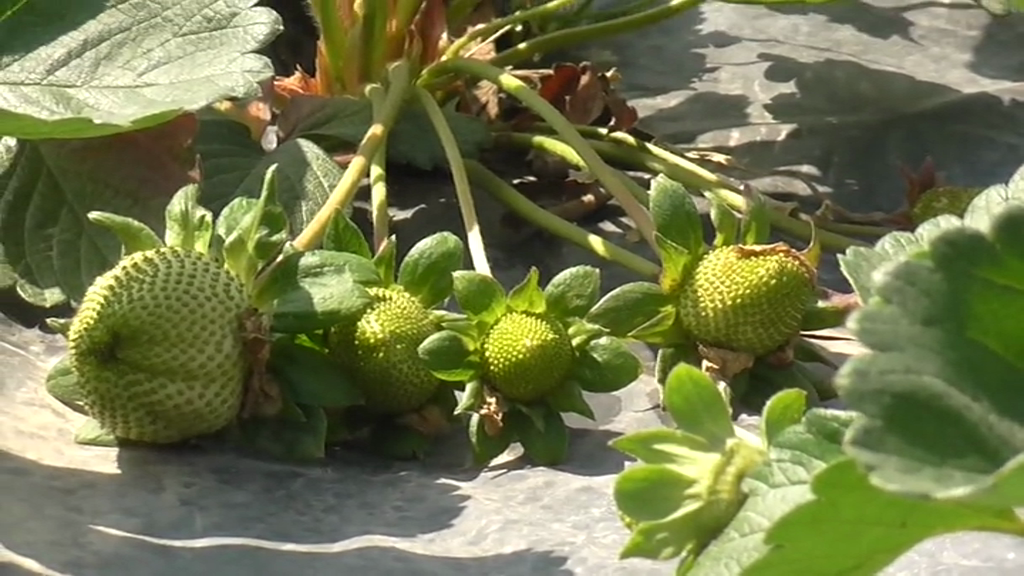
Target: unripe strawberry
934	202
380	351
157	346
526	356
747	298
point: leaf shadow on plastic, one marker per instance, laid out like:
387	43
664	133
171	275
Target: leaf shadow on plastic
940	388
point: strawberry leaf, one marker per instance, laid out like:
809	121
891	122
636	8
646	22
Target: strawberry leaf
606	365
939	389
675	215
479	295
343	235
449	356
48	249
547	445
121	65
527	295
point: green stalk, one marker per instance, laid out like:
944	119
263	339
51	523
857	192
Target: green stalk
375	34
477	248
582	34
378	175
332	35
483	32
559	148
400	78
531	212
681	170
608	177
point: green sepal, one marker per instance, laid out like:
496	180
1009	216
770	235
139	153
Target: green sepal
315	290
249	232
283	437
546	445
342	235
675	215
479	296
133	235
568	398
449	356
671	356
385	261
472	397
606	365
676	263
485	446
573	292
527	296
725	222
824	315
757	226
426	271
187	223
782	411
90	433
697	406
629	307
63	385
308	376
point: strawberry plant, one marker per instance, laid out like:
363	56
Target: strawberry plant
931	440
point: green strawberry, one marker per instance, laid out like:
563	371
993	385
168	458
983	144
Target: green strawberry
747	298
380	351
526	356
934	202
157	346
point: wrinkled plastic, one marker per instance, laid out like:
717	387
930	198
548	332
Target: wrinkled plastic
843	93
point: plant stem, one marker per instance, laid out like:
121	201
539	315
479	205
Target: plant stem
549	8
581	34
378	176
682	171
609	178
400	79
559	148
477	248
332	35
529	211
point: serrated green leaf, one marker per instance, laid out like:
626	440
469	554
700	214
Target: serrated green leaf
449	356
286	439
426	270
630	306
983	210
48	249
606	365
62	384
573	292
783	410
479	295
938	389
385	261
527	295
485	446
568	398
545	446
779	485
472	396
675	214
311	377
342	235
860	264
188	224
157	58
90	433
133	235
725	221
309	291
696	405
847	508
342	121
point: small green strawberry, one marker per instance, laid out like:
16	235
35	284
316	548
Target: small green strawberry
747	298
